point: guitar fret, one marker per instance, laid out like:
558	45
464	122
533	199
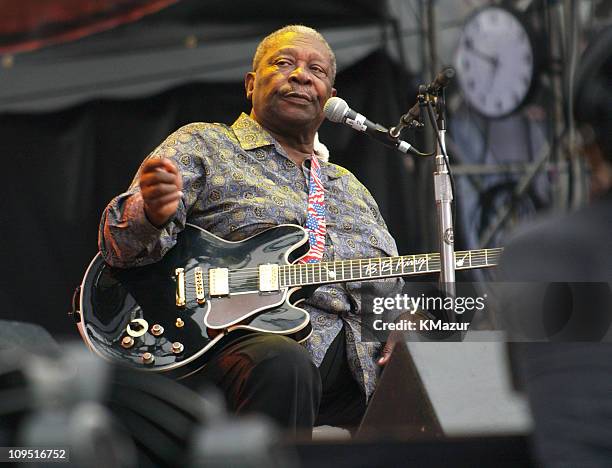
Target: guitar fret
380	267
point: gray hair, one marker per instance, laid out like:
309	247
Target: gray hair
269	40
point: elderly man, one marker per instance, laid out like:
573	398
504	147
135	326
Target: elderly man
235	181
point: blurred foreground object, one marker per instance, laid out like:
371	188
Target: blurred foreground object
112	416
569	384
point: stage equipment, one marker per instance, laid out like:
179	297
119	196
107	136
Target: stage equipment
400	406
431	98
337	110
107	415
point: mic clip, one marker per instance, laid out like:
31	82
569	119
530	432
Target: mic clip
411	119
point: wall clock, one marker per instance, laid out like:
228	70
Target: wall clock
495	61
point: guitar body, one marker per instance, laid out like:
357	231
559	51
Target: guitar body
125	304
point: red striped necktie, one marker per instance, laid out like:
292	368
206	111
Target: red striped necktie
315	219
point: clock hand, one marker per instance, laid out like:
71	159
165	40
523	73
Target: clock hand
469	44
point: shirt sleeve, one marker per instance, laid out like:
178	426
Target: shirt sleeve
126	238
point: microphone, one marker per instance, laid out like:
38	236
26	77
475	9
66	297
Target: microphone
441	81
337	110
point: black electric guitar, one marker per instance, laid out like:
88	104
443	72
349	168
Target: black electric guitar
166	316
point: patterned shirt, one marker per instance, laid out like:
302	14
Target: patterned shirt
238	181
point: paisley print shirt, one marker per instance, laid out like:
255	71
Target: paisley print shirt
238	181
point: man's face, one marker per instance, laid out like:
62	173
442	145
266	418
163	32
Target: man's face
291	84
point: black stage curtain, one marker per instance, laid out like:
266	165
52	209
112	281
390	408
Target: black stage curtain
60	169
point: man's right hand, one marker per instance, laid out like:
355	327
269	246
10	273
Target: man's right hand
160	186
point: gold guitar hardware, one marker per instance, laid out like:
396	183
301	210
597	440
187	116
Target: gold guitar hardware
179	274
177	347
157	329
179	323
127	342
148	358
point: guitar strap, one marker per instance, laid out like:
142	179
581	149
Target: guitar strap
315	219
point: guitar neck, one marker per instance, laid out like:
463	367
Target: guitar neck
306	274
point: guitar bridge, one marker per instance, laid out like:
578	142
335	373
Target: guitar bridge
218	281
268	278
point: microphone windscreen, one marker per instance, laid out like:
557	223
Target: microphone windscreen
335	109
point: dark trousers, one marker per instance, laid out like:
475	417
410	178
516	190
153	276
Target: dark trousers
275	376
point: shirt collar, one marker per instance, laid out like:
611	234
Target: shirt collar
250	134
332	171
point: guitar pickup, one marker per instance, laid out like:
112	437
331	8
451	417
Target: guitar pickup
199	285
179	274
268	278
218	281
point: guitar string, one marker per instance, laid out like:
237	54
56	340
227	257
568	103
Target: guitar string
370	270
250	282
490	254
371	267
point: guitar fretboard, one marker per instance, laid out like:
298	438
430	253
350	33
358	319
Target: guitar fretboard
303	274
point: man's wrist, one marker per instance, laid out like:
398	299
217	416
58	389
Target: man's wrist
155	222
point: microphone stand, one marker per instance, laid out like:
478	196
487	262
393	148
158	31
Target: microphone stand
443	191
443	187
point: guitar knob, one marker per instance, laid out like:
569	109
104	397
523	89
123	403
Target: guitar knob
148	358
157	330
177	347
127	342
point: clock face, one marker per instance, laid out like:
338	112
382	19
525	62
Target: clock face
495	62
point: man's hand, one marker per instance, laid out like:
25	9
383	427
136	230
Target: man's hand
386	352
160	186
393	338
